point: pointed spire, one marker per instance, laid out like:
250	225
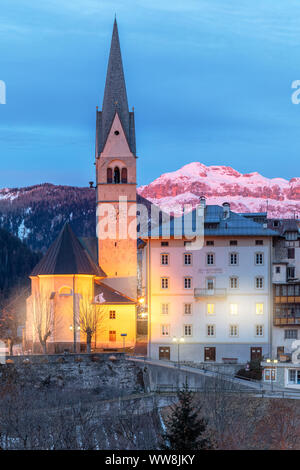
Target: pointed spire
115	96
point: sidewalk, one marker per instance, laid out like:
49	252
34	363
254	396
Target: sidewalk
268	390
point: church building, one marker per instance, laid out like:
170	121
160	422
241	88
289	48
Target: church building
87	287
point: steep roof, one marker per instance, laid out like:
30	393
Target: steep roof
214	225
282	226
115	98
66	255
106	295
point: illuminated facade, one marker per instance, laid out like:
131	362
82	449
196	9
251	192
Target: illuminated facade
216	302
116	178
94	275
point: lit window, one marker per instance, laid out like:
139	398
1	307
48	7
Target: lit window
164	309
233	258
187	309
259	309
259	282
112	315
211	330
210	309
233	283
164	282
233	330
65	290
165	330
259	330
210	258
188	329
187	259
112	336
259	258
233	309
187	282
270	374
164	259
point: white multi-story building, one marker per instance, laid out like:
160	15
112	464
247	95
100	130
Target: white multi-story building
212	303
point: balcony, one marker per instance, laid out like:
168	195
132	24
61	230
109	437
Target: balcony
287	299
285	321
202	293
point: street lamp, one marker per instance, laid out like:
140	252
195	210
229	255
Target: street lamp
71	328
178	341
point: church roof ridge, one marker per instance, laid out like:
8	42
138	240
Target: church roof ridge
67	256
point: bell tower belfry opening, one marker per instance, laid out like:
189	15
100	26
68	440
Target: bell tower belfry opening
116	179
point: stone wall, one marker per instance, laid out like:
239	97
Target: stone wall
102	375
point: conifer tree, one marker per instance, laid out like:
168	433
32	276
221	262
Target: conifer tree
185	428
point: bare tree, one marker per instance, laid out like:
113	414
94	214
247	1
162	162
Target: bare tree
91	319
232	413
42	317
279	428
12	317
134	425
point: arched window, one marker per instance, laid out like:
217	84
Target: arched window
109	175
116	175
124	175
65	290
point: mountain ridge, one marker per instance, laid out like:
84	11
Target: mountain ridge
36	214
249	192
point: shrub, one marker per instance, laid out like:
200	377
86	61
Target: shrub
95	359
254	372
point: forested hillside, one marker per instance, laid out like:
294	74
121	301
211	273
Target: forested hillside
16	263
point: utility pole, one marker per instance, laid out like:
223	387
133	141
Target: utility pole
74	317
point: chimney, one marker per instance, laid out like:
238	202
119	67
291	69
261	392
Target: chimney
226	210
201	206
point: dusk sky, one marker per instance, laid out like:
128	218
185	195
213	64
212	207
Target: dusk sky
210	81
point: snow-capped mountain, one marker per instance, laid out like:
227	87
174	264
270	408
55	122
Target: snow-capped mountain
250	192
36	214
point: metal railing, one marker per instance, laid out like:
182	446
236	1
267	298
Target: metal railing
200	292
263	393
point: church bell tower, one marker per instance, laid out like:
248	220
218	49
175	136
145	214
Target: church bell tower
116	179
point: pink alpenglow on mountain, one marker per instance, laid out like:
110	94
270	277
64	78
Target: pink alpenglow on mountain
246	192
